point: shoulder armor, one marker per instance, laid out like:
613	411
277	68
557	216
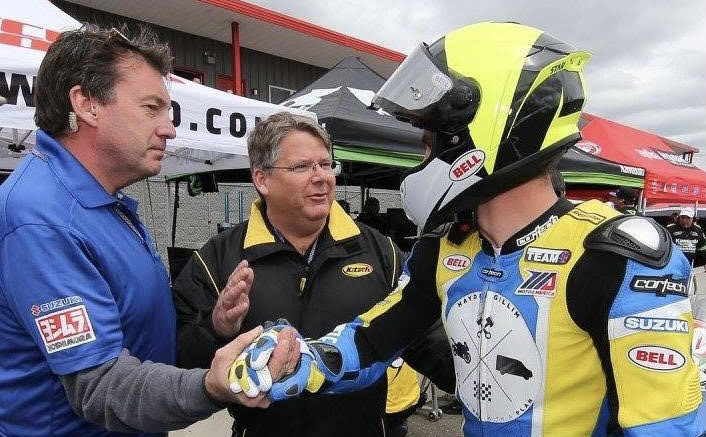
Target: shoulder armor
638	238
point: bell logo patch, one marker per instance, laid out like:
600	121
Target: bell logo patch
457	262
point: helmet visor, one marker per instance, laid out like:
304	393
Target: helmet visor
417	84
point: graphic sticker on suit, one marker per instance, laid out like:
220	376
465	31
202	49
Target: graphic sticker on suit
498	367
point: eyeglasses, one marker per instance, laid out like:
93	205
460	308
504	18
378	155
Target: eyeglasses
303	167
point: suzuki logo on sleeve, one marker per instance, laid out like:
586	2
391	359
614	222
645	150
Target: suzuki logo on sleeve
656	324
467	165
660	358
457	262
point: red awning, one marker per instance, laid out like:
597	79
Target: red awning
668	177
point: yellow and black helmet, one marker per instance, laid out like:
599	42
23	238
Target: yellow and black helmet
503	101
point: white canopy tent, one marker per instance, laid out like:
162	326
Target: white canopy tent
212	126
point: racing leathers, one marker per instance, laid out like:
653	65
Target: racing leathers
691	241
580	325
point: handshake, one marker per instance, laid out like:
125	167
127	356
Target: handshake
319	362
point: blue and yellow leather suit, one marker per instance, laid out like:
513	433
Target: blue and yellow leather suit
550	338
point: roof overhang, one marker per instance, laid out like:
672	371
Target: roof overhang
260	29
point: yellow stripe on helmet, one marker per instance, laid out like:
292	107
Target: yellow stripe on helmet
496	80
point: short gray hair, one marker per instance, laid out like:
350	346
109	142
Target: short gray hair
264	142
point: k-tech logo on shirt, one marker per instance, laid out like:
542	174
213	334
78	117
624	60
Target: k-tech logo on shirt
65	329
357	270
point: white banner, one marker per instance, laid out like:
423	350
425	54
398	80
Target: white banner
212	126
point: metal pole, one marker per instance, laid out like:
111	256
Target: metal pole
639	203
226	206
240	206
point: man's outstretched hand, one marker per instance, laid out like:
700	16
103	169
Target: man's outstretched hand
233	302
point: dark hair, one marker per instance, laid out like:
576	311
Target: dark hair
89	57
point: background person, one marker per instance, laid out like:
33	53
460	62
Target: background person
86	317
689	237
371	215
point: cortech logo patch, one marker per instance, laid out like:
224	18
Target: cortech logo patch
660	285
582	215
65	329
660	358
492	273
357	270
467	165
539	284
457	262
536	232
656	324
547	256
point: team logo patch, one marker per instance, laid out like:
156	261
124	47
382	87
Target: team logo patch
492	273
660	285
536	232
357	270
582	215
539	284
547	256
467	165
65	329
54	305
660	358
656	324
457	262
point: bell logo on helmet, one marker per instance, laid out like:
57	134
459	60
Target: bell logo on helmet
467	165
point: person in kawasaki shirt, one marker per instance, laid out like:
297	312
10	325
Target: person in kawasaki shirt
689	237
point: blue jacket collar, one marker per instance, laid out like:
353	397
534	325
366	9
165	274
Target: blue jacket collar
74	176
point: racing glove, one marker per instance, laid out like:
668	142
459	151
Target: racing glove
330	365
249	373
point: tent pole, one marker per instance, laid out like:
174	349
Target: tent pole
174	214
146	185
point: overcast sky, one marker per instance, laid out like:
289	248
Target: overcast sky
649	57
